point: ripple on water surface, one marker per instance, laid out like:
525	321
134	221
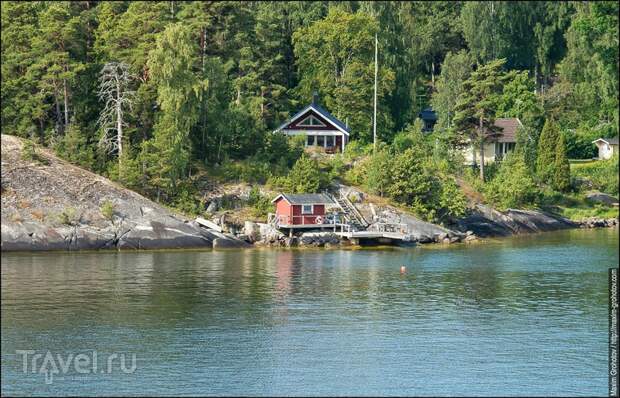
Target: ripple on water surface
521	316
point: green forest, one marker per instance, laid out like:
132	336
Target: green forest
166	96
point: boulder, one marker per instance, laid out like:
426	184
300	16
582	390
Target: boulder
166	233
470	238
251	230
440	237
424	239
356	196
600	197
486	222
268	233
290	242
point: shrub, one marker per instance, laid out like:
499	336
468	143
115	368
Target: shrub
261	205
335	167
561	176
452	202
249	170
29	152
305	176
512	186
546	154
130	171
186	202
107	210
68	216
410	136
278	182
74	147
356	149
356	175
378	172
410	183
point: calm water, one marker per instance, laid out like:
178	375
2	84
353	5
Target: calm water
520	316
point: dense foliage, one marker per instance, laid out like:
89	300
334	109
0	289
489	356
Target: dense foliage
205	84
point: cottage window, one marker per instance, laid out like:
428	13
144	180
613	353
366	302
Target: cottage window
310	140
320	140
329	141
307	209
311	121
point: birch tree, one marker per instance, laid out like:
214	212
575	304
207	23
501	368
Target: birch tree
115	92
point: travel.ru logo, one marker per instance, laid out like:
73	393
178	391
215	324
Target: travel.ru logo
50	364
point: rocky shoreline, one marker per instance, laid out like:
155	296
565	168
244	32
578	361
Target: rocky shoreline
476	228
49	204
53	205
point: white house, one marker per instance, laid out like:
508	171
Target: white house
607	147
322	130
499	146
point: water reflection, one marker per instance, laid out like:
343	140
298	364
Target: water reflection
324	322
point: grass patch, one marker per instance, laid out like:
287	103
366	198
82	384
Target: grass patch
601	175
576	207
580	161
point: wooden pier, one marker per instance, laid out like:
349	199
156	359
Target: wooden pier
374	235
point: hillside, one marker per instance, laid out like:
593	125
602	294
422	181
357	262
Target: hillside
49	204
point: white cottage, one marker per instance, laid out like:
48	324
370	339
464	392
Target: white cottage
499	146
607	147
321	129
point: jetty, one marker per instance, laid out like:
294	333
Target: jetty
324	212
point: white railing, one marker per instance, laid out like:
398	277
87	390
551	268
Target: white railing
281	220
390	227
345	198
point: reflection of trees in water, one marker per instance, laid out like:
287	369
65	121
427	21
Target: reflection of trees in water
148	289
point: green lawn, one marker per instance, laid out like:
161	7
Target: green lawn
580	161
576	207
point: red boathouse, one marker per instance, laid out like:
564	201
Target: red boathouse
302	210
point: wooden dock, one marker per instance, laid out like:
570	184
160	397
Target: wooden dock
375	235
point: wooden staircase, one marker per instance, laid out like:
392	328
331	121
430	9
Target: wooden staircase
355	218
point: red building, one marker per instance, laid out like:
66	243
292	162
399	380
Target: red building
301	210
321	129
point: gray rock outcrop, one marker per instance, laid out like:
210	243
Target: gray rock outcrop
57	206
487	222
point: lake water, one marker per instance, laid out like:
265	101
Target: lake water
518	316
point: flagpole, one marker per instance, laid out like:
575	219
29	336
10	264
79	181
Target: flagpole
374	119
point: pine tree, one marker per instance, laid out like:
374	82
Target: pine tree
547	143
477	106
304	176
561	177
